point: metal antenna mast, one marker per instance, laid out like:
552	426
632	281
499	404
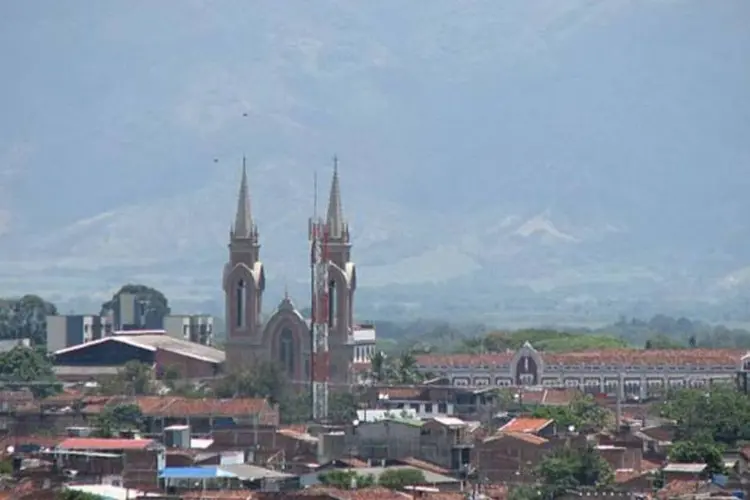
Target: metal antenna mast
318	235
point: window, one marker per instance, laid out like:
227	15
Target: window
442	408
240	298
428	408
415	407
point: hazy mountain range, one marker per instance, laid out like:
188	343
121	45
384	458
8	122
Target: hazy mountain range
579	157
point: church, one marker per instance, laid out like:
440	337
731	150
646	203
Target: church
285	338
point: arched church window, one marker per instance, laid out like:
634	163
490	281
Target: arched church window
286	351
241	295
332	303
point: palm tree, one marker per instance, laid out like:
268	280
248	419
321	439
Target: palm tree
379	367
407	373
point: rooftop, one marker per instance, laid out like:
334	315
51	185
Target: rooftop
155	341
102	444
622	357
526	424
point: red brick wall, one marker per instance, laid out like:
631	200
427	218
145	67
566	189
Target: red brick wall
188	367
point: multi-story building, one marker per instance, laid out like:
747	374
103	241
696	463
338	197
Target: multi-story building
193	327
285	337
73	329
638	372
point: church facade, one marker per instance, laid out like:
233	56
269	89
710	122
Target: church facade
285	338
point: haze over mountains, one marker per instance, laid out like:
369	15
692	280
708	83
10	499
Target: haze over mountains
577	158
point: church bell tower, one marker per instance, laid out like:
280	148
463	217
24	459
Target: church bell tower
243	282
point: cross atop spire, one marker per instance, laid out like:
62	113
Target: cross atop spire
243	222
335	216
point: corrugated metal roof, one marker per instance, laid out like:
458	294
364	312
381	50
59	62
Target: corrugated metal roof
153	342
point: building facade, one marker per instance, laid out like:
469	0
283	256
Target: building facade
73	329
285	338
637	372
193	327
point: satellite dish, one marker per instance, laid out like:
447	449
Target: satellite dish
355	423
571	428
10	449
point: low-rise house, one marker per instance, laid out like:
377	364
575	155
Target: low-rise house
542	427
388	438
685	472
135	461
510	456
445	441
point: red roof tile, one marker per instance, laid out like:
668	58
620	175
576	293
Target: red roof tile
171	406
101	444
523	436
429	467
678	488
634	357
411	393
438	360
526	424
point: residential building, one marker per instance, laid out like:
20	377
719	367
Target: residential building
284	338
445	441
73	329
192	327
389	438
637	372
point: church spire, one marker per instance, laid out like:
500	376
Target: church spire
335	217
243	222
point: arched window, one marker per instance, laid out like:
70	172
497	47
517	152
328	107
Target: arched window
240	295
286	351
332	304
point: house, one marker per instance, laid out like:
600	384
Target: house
445	441
685	472
135	461
538	426
388	438
510	456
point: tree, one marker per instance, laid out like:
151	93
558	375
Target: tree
379	367
406	370
266	380
346	479
126	416
135	378
567	468
342	407
28	367
396	479
25	317
78	495
583	414
728	408
699	451
155	304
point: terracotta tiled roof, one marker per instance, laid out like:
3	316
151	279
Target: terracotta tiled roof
421	464
526	424
551	396
101	444
401	392
523	436
496	491
181	407
437	360
658	433
650	357
625	475
362	494
633	357
678	488
220	495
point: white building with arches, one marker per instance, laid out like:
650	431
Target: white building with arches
638	371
